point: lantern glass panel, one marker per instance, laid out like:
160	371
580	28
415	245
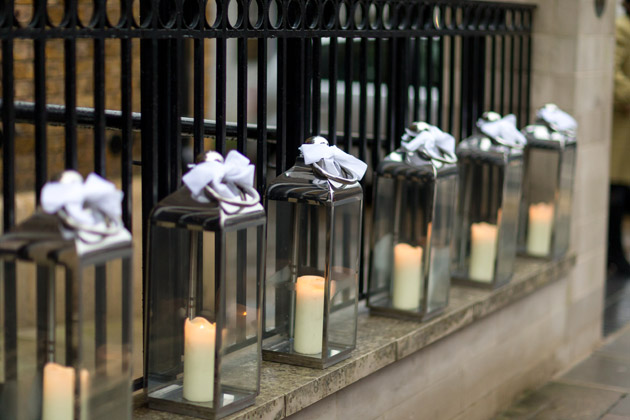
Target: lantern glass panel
562	229
342	317
383	244
440	240
104	338
508	223
311	290
208	276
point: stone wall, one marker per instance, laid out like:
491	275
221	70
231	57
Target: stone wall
476	373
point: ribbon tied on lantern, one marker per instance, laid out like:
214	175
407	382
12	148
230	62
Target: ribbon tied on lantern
91	208
431	141
331	162
503	131
229	181
557	118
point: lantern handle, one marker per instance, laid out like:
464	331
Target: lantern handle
351	179
249	194
81	229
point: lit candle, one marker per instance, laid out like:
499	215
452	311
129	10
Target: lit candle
539	229
58	399
407	284
309	314
483	251
199	339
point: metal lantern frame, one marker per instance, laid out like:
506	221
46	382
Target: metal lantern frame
435	182
490	182
299	202
76	278
548	150
195	227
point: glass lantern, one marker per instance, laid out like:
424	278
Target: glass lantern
490	177
205	273
545	214
66	308
311	292
414	219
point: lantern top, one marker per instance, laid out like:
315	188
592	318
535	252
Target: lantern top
302	184
78	221
496	140
482	148
181	209
554	129
426	153
218	194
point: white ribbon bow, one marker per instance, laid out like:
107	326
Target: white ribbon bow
505	129
79	199
557	118
224	177
434	141
332	158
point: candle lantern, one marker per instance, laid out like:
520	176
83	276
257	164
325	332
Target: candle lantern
545	214
314	237
490	178
205	268
414	219
66	315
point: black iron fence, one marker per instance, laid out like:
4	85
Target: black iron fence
259	76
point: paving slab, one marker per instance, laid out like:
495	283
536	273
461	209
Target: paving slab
603	370
622	408
558	401
619	347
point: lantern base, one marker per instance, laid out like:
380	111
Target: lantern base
170	398
464	281
403	314
551	257
283	353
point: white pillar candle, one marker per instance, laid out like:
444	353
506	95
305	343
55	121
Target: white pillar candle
58	394
483	251
407	283
539	229
199	339
309	314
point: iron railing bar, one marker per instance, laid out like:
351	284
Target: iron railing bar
281	147
41	164
529	77
317	86
332	91
376	149
511	94
261	128
221	68
415	76
348	97
198	95
241	97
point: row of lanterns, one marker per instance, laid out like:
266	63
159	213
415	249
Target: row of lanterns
218	297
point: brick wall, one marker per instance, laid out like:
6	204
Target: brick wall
55	71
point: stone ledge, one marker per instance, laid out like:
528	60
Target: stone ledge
286	389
